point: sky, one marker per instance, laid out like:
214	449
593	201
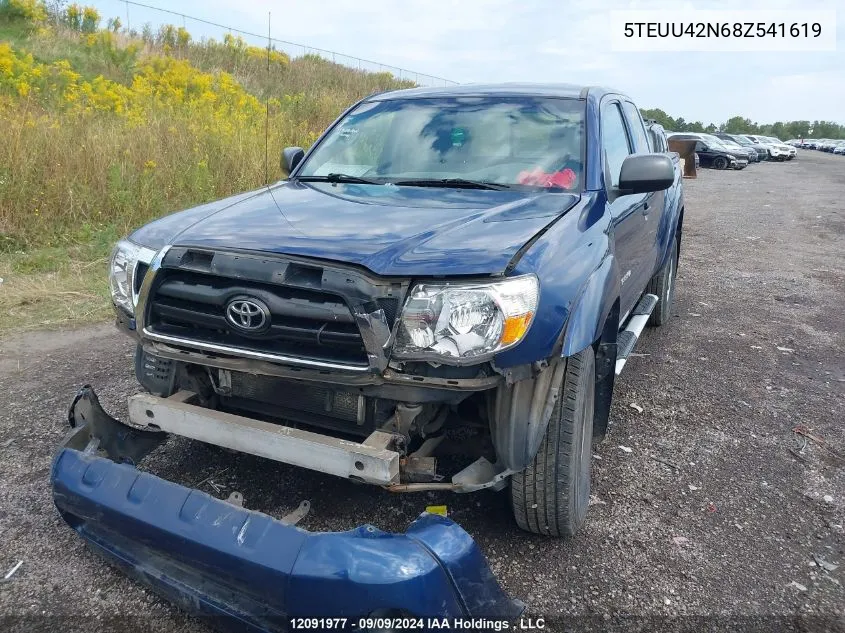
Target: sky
491	41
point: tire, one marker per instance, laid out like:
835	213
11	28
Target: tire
663	285
552	495
720	162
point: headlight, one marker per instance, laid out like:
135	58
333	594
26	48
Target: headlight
122	271
457	324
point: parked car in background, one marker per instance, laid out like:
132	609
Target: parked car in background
777	151
839	148
735	148
762	150
783	146
713	154
795	142
830	145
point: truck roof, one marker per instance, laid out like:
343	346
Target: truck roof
570	91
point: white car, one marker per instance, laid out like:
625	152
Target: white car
777	150
783	146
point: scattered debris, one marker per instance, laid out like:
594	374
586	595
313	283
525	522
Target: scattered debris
209	479
218	488
797	455
664	462
711	507
828	498
694	314
596	501
785	349
821	562
693	488
803	430
627	449
8	442
442	510
636	407
798	586
12	571
680	540
756	347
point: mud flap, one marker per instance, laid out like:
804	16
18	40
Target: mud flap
249	571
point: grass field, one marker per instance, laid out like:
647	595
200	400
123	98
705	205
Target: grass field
105	130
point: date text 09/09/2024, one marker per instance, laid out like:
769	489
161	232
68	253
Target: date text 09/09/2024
416	624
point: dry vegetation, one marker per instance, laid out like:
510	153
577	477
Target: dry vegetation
104	132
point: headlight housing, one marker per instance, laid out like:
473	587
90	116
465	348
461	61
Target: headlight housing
123	268
458	324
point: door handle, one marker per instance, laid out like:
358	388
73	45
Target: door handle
645	208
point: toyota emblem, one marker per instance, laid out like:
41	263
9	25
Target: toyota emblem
248	314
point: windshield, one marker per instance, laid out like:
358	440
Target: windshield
742	140
711	141
714	140
523	142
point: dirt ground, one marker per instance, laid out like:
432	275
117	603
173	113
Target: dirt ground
709	511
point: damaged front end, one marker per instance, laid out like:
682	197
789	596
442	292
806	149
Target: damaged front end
246	570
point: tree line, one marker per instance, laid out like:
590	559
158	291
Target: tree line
741	125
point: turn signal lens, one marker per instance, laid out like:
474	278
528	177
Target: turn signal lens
515	328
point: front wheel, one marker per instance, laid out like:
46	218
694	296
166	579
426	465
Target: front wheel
551	496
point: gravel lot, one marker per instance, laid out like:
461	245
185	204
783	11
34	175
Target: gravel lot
730	532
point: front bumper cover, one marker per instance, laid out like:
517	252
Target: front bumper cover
247	570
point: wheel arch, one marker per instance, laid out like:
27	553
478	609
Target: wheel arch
679	229
605	353
592	322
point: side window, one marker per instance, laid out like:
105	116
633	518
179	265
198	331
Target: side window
614	141
699	146
657	141
635	124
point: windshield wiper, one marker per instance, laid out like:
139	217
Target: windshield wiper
340	178
450	182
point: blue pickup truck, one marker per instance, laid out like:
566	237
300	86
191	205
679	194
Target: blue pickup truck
462	270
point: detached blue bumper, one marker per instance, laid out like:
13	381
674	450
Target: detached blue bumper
254	573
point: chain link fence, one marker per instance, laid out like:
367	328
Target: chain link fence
139	16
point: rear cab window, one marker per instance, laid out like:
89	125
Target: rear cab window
636	127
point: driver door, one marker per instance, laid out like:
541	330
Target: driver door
628	213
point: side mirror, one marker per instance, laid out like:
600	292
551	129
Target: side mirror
291	156
644	173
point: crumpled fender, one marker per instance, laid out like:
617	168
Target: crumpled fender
252	572
586	320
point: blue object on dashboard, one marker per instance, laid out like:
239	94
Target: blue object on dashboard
252	572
